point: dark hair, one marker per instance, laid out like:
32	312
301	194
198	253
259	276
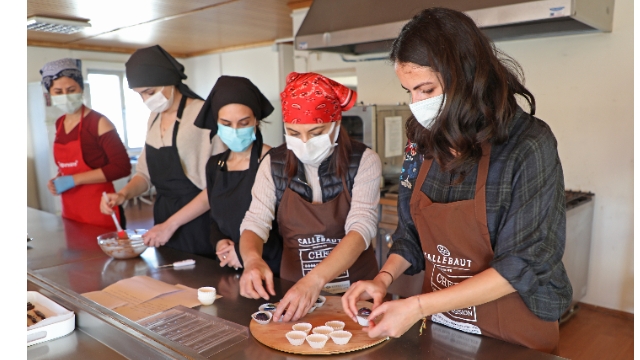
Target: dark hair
339	159
479	82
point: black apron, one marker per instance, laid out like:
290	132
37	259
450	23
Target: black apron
230	197
174	191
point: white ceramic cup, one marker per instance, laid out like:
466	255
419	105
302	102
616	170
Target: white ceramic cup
207	295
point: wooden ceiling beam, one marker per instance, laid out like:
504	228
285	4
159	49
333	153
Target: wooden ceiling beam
299	4
122	50
82	47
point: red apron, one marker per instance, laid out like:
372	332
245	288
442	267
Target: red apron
456	246
81	203
311	231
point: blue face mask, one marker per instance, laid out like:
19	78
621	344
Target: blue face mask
236	139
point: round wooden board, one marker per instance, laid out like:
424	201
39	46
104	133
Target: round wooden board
273	334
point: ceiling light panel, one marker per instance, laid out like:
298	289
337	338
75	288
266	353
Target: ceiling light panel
53	25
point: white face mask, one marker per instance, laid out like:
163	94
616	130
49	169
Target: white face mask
69	103
426	111
158	103
315	150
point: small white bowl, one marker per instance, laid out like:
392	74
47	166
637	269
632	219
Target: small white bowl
317	341
321	300
335	325
323	330
305	327
340	337
262	322
311	309
363	320
268	307
296	338
207	295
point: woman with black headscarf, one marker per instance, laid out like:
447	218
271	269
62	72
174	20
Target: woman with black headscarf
233	110
176	151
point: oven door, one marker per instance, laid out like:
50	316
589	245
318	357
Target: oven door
359	121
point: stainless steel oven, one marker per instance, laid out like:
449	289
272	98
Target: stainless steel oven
382	128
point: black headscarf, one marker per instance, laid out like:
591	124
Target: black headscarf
232	90
153	66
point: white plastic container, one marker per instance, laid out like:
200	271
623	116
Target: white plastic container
59	321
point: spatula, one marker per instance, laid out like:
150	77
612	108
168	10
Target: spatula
121	233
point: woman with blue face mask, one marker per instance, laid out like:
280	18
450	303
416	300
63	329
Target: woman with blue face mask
87	148
175	153
233	110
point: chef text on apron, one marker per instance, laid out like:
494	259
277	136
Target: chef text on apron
175	190
81	203
311	231
456	246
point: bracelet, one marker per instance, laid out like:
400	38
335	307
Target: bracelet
420	305
385	271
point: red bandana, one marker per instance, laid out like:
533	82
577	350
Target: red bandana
311	98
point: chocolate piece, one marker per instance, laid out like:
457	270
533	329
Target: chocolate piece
32	318
261	317
318	301
364	312
40	314
30	306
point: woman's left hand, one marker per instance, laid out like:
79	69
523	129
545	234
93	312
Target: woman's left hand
226	251
299	299
399	316
158	235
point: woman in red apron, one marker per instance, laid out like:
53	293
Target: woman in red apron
323	189
481	200
87	149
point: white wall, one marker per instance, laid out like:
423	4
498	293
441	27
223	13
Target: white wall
583	86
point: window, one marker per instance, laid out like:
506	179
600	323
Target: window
111	96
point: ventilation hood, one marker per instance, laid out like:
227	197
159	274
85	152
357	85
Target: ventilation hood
369	26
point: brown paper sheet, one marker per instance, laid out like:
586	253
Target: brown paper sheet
105	299
141	296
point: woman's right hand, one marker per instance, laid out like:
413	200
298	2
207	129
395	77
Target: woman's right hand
374	289
255	271
115	199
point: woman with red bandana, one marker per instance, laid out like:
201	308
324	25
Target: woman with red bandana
322	188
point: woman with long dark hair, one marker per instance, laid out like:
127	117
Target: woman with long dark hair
322	189
481	202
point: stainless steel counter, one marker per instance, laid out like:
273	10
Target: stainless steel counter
74	268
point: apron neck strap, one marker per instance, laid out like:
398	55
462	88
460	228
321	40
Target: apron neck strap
64	117
481	181
183	102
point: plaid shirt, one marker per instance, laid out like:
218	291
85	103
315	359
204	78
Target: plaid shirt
525	213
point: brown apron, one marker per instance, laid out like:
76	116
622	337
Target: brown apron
309	233
456	246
